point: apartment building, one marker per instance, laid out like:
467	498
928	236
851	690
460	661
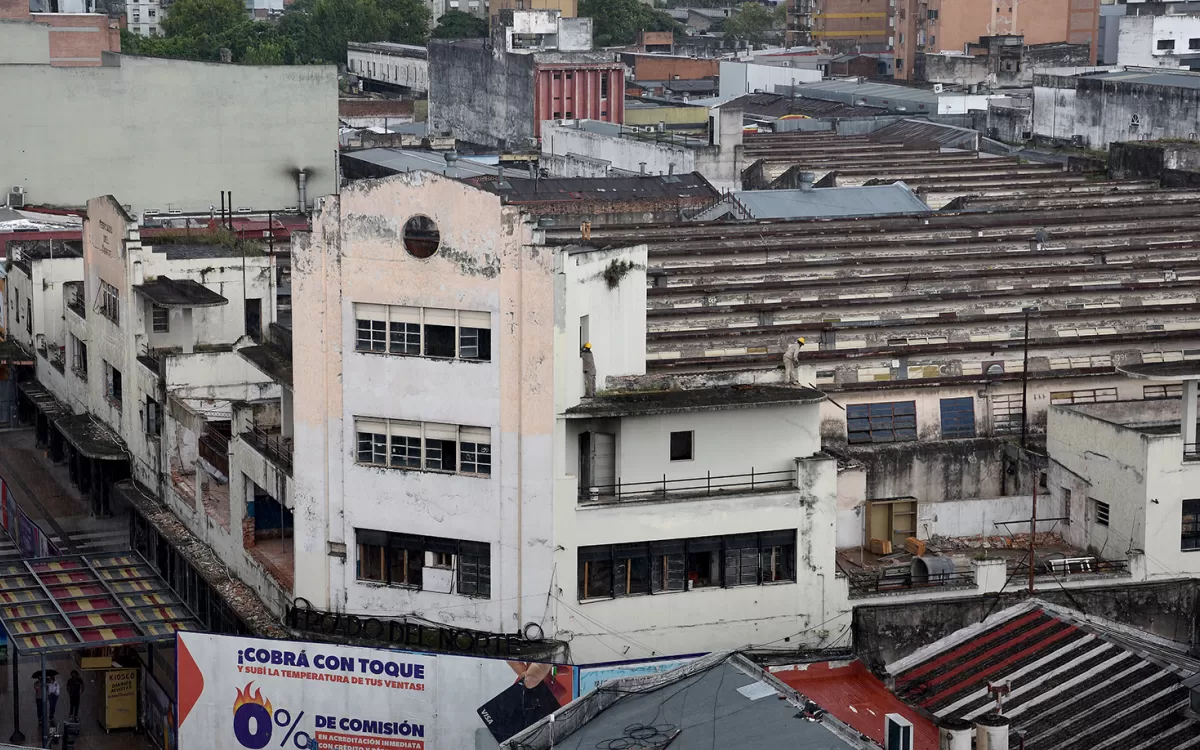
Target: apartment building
144	17
137	376
950	25
71	37
450	464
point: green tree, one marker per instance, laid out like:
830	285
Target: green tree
320	29
617	22
458	25
752	23
198	19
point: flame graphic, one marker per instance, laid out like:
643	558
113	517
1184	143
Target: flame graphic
244	697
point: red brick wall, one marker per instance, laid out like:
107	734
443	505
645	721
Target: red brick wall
650	68
375	108
14	10
71	45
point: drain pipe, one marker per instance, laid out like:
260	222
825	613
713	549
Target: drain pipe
302	188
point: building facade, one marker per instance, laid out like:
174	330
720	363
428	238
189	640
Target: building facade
491	492
937	25
1159	41
389	66
539	67
66	39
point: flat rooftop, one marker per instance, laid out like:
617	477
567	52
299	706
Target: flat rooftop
833	202
641	403
620	131
397	160
573	189
390	48
1174	78
179	293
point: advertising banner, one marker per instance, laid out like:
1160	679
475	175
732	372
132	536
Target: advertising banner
240	692
21	529
588	678
120	699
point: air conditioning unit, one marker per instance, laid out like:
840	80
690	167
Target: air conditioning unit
897	733
938	88
16	197
1077	141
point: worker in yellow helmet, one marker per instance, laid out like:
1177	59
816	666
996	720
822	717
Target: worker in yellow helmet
589	370
791	361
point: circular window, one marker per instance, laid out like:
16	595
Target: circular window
421	236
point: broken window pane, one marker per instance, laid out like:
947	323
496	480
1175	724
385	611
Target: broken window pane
439	454
439	341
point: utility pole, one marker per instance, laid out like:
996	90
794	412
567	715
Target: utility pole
1035	472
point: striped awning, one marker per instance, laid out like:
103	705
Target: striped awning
59	604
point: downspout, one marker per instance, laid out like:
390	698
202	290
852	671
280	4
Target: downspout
302	189
520	434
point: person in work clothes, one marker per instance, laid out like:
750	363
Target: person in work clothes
791	361
589	370
74	692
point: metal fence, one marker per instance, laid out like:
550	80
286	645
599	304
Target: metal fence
705	486
274	446
900	578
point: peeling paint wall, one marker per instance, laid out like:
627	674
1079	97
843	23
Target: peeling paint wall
487	263
481	95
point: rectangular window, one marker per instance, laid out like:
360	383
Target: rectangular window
108	302
603	86
681	446
621	570
152	418
29	316
933	15
112	384
1067	505
1157	392
161	319
426	446
1099	511
1190	536
1166	45
1008	412
889	422
1089	396
1194	43
429	332
958	418
401	560
79	358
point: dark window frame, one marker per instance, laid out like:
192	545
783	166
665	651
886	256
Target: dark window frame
957	417
607	571
683	445
1189	534
401	561
881	422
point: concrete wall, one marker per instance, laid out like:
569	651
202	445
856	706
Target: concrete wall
745	78
397	70
1102	111
24	43
1138	40
173	133
499	112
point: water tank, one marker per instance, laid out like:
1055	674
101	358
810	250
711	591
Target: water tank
954	734
991	732
931	569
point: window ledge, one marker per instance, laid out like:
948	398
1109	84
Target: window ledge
471	360
409	470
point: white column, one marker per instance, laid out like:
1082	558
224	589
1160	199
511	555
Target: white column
188	333
1189	415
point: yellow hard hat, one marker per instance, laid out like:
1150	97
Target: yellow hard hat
799	339
588	345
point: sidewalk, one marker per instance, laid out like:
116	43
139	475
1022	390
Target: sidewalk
91	735
44	491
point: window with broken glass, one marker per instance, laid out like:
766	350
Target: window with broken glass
423	332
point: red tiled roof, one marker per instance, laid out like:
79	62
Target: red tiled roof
856	697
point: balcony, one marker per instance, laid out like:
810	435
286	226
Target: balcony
213	445
272	444
706	486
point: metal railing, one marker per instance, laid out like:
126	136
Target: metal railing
214	448
274	446
1191	451
1069	566
900	578
705	486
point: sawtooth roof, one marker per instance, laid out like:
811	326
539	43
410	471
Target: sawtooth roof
1076	682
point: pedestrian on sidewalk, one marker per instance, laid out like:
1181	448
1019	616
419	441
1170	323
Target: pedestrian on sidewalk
74	692
54	690
37	699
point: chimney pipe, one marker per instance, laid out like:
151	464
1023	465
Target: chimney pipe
991	732
954	734
302	189
222	208
806	181
642	167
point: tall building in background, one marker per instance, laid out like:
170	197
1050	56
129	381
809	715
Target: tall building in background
936	25
68	34
846	25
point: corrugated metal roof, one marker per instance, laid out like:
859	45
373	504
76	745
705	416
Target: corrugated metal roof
690	185
1181	79
1076	682
915	133
821	203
